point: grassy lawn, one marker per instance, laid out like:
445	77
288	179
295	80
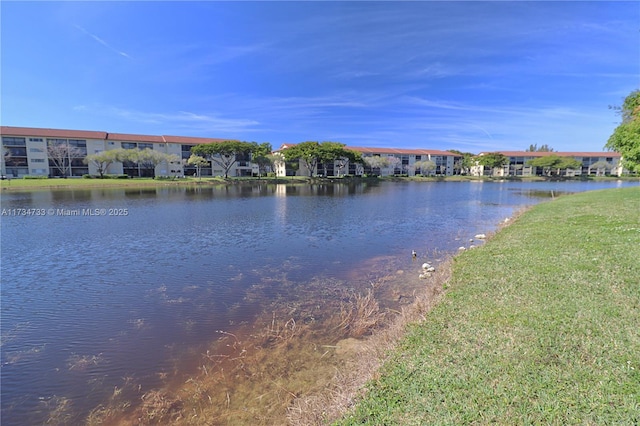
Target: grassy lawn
28	184
539	326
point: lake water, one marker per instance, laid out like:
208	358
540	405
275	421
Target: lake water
105	286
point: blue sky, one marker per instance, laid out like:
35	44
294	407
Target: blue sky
473	76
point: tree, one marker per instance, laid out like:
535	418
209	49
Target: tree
61	155
492	160
551	162
462	165
6	154
126	155
224	154
600	165
394	162
376	162
546	163
543	148
261	155
336	153
568	163
626	137
102	160
150	159
313	154
328	153
199	162
425	166
630	109
349	157
307	152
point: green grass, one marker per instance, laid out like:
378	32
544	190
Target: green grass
28	184
539	326
82	183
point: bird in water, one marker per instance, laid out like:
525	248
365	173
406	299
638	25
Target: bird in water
414	254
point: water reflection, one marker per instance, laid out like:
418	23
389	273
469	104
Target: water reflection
92	303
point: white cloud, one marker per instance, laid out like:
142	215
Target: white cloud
189	123
102	42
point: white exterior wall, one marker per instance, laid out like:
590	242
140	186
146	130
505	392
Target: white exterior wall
95	146
172	168
37	158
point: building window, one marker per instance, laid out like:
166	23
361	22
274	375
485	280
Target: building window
36	150
129	145
186	151
17	151
36	140
145	146
11	141
78	143
37	160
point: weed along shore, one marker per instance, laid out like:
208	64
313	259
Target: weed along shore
539	326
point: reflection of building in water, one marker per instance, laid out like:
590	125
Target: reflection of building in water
281	204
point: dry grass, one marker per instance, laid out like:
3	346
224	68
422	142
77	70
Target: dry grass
299	363
331	402
361	314
159	408
60	411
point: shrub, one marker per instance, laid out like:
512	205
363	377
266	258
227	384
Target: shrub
35	177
